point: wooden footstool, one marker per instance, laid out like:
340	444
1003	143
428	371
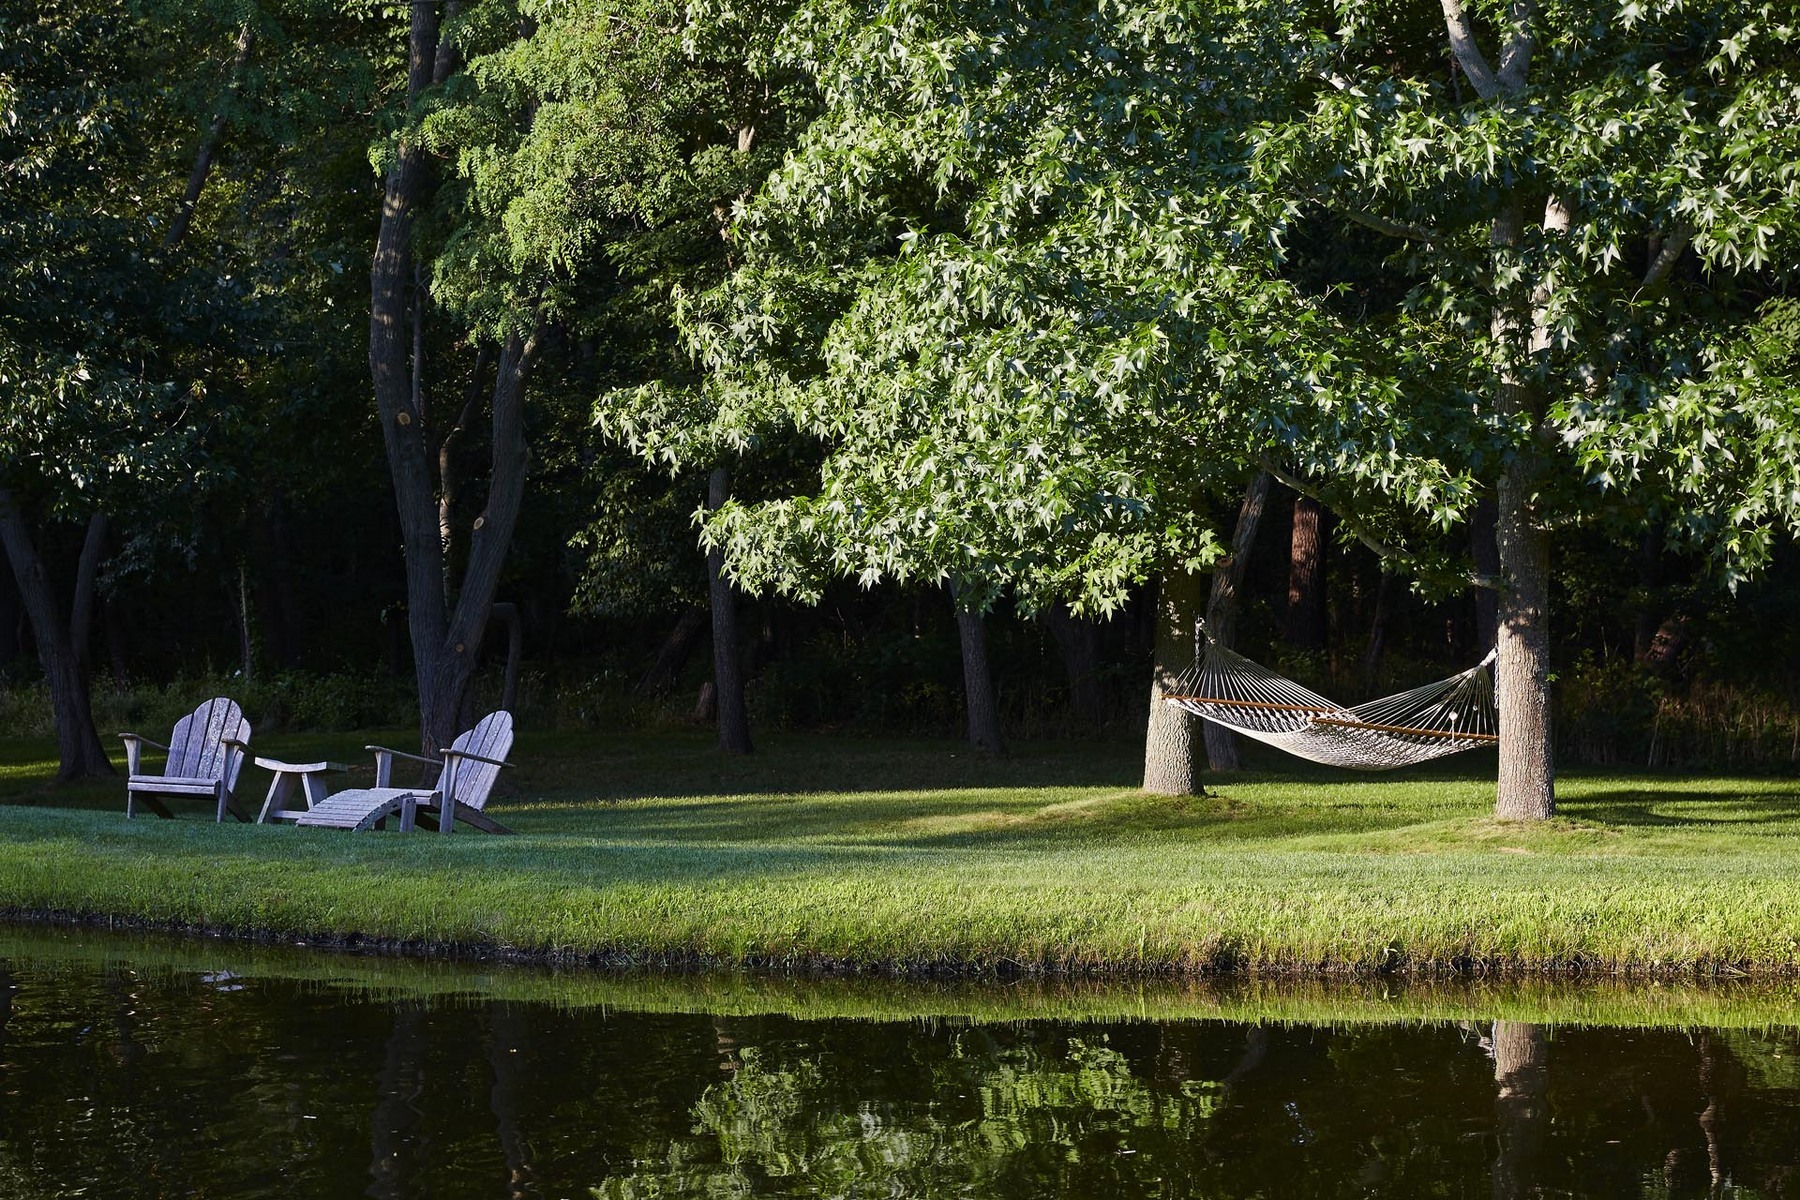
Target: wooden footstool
308	777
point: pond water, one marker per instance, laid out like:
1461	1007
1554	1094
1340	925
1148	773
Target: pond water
138	1068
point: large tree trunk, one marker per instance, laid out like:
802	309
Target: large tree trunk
728	663
87	578
77	742
1222	608
1169	768
978	681
1527	787
1079	641
1522	1117
1306	576
402	431
446	633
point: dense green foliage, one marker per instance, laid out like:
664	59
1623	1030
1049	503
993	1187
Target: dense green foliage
1014	296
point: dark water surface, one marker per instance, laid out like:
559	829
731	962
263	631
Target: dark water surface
136	1068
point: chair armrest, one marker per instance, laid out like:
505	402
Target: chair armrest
492	762
400	754
244	746
384	763
134	750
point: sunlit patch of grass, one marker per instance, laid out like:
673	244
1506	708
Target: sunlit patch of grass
838	850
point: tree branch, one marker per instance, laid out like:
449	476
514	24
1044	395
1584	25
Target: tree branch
1468	54
1665	259
1515	60
1382	549
1393	228
209	144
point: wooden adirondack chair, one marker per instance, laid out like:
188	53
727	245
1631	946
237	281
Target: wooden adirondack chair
469	768
206	752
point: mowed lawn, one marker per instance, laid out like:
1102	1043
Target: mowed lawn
829	851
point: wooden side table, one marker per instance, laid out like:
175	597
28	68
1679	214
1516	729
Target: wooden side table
309	778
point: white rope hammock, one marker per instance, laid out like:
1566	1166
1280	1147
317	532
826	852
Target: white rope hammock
1445	717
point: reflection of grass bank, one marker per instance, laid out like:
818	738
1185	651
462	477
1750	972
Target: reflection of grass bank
839	852
1717	1004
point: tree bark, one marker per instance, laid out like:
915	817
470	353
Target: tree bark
1079	641
1648	620
78	743
1375	651
395	1142
11	643
1522	1118
209	144
87	576
1222	608
1486	554
677	648
1306	576
979	700
728	664
1169	739
1527	784
246	631
446	633
508	615
1517	326
506	1044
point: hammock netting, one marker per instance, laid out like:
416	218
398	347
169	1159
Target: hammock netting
1445	717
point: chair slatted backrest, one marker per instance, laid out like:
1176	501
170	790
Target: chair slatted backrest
470	782
197	748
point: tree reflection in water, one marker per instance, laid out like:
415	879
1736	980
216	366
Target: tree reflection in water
124	1085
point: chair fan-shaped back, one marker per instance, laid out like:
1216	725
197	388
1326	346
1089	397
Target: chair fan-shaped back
468	781
197	748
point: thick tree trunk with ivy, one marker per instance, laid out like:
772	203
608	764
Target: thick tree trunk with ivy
979	700
446	630
78	746
728	662
1222	608
1169	742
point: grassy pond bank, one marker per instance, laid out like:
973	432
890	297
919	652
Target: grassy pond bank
836	854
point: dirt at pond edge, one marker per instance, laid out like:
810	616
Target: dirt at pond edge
933	968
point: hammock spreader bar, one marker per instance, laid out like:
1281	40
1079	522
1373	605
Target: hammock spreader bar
1428	722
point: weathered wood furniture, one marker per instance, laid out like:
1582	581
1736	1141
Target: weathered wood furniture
206	752
307	778
466	776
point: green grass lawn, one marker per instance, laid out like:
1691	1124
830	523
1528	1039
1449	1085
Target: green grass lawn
874	852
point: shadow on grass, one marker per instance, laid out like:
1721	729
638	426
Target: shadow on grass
1676	807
